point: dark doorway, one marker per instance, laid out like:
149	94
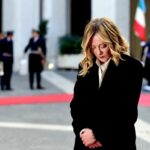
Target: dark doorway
0	15
80	15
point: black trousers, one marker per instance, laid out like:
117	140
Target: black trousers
147	70
32	77
6	78
35	69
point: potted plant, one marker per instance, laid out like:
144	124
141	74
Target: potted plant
43	27
69	51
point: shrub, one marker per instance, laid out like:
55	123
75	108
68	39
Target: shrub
70	44
43	27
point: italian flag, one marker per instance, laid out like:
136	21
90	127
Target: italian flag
139	22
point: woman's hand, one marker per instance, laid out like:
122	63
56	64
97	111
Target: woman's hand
96	144
88	138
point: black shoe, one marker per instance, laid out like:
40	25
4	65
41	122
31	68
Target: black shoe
40	87
9	89
2	89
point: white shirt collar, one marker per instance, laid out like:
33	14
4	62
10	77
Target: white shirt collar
102	69
103	66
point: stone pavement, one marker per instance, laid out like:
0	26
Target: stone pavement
20	83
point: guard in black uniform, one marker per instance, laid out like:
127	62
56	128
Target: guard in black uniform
37	47
146	60
1	39
1	63
6	46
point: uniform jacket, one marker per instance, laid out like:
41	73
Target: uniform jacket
6	47
147	61
0	49
34	45
35	61
111	110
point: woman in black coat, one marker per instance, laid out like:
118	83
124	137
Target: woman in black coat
107	90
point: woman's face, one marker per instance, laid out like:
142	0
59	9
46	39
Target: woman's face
100	49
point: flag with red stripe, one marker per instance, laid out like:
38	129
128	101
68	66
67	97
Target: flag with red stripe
139	21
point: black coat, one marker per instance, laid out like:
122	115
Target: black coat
0	49
111	110
147	61
35	61
6	46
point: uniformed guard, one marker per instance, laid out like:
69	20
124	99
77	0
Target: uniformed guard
6	46
37	47
1	63
146	62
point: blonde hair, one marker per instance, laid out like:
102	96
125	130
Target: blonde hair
110	34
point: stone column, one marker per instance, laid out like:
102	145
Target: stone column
117	10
